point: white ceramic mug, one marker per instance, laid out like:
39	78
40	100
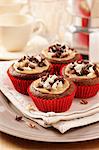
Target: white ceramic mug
16	31
11	6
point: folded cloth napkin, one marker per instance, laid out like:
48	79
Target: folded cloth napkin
78	115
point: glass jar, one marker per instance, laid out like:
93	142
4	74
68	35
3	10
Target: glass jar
84	8
50	13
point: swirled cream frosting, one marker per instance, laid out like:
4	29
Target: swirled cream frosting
31	64
59	52
51	84
82	69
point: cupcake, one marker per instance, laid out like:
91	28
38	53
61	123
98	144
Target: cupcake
85	75
52	93
26	70
59	55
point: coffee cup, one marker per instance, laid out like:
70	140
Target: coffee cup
16	30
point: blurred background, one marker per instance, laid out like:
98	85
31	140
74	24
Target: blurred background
74	22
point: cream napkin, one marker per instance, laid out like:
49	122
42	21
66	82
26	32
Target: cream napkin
78	115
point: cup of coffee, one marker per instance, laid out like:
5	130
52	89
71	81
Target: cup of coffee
11	6
16	30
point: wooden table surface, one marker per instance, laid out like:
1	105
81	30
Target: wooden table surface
8	142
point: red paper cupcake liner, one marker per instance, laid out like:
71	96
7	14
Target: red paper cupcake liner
52	70
57	67
87	91
61	71
19	84
53	105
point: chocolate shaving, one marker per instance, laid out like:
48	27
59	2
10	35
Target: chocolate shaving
61	79
20	60
63	46
21	69
84	71
52	49
49	89
71	48
96	70
24	57
31	66
26	64
41	64
18	118
31	125
72	67
57	54
43	79
58	45
40	85
65	55
78	74
58	50
30	58
33	59
83	101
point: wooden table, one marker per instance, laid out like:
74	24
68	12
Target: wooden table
8	142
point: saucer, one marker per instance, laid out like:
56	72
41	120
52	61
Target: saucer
34	46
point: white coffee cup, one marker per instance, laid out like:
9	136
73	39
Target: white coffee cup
16	30
11	6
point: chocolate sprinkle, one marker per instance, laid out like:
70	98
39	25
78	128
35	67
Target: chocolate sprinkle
96	71
84	70
21	69
18	118
30	60
83	101
58	50
43	80
26	64
41	64
31	66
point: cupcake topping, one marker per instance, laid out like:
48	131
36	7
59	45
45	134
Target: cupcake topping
82	69
58	51
31	64
51	84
